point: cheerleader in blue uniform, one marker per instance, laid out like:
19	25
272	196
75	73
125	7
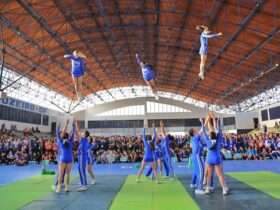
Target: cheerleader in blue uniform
167	161
58	132
90	160
78	71
82	157
65	143
203	51
214	160
149	155
198	165
148	75
158	157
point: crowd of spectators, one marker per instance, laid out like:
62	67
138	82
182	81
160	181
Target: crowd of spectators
251	147
21	149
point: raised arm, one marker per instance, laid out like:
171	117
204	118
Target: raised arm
138	60
72	132
219	129
214	120
206	137
211	127
209	36
162	129
202	126
78	131
154	134
58	134
65	127
69	56
144	136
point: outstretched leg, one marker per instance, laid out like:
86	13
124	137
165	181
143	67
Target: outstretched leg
152	85
90	171
141	170
154	167
76	85
80	87
67	178
221	177
62	170
203	59
209	171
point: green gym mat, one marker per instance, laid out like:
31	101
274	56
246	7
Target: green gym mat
16	195
147	195
264	181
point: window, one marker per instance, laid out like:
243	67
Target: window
17	115
116	124
274	113
229	121
264	114
45	120
193	122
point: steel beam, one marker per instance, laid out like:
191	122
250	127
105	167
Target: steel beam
156	33
255	49
43	23
174	53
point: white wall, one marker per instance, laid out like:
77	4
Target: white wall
91	114
244	120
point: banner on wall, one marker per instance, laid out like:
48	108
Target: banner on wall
23	105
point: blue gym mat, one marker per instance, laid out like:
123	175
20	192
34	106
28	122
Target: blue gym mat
9	174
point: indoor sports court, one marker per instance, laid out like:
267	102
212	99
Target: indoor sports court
139	104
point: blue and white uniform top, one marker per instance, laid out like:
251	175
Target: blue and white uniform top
148	152
214	153
147	70
66	153
78	65
204	42
83	147
158	151
197	146
91	146
58	147
165	146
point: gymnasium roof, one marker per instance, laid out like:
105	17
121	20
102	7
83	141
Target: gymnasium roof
241	64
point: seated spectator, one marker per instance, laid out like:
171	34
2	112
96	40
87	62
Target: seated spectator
10	157
20	158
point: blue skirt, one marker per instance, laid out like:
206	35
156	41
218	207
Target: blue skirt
148	74
78	72
213	159
149	159
66	160
203	51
